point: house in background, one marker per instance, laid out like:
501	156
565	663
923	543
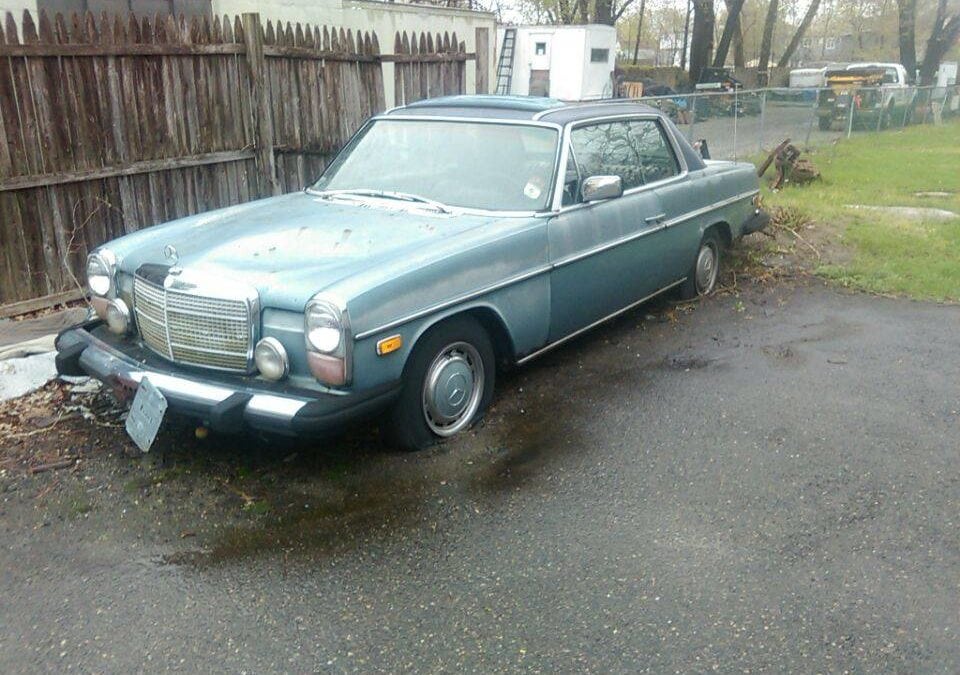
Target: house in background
566	62
844	48
383	18
670	50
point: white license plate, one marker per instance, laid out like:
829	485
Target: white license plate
146	415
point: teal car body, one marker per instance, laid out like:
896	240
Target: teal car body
390	268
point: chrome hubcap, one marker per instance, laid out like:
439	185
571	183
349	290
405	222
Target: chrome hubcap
706	269
452	388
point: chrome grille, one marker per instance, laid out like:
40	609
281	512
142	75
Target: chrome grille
194	329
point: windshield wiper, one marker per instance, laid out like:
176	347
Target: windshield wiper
384	194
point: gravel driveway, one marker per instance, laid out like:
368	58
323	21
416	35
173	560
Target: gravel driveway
767	482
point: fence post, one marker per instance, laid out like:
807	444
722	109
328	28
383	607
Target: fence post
850	116
736	117
813	117
482	62
692	111
763	116
261	109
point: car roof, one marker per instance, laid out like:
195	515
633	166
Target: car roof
520	107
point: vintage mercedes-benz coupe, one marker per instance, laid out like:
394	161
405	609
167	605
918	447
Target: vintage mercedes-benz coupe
448	237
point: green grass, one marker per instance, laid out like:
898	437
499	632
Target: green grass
890	254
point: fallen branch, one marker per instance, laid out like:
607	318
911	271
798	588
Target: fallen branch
45	491
804	241
53	466
37	432
237	491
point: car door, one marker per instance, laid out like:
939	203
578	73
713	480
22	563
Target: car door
666	173
604	254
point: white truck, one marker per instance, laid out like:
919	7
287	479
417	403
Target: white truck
875	93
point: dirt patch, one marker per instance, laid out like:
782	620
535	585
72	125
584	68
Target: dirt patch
792	245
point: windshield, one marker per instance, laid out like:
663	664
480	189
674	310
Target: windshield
491	166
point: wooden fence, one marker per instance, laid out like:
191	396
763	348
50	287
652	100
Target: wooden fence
428	66
112	124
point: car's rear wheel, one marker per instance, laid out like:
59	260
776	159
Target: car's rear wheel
702	278
824	123
447	385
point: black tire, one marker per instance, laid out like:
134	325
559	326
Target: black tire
824	123
695	285
452	349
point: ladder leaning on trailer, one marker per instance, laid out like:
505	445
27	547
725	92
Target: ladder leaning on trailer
505	63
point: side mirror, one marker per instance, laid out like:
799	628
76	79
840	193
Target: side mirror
596	188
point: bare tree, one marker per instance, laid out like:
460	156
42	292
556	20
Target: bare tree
907	17
609	11
730	27
795	41
944	34
636	46
763	63
739	59
701	39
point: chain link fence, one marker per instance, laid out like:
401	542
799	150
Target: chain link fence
742	124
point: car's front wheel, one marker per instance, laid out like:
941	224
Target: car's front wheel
702	278
447	385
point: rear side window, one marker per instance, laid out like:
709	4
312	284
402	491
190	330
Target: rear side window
635	150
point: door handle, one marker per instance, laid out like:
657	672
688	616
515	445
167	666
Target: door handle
655	219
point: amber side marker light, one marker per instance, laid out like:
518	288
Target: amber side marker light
389	344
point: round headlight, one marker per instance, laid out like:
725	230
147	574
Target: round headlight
118	317
271	359
100	268
323	327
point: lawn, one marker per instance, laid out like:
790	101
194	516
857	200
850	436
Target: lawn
887	253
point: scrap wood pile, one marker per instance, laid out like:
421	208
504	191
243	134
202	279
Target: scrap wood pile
790	166
36	434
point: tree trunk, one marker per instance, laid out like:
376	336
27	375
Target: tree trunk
763	63
730	27
943	36
795	41
701	40
636	46
686	36
907	18
603	12
739	59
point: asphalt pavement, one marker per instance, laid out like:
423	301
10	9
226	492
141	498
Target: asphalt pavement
766	481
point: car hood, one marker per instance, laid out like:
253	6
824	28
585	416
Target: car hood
292	246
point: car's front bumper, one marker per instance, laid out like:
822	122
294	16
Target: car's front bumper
227	404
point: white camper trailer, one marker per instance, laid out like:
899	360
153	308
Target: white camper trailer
572	63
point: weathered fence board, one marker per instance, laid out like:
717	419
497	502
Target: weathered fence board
428	66
113	123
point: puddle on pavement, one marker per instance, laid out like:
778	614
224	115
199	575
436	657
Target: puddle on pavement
339	503
358	493
353	493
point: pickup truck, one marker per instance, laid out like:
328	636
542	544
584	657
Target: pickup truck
876	94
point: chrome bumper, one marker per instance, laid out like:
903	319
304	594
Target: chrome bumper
224	407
